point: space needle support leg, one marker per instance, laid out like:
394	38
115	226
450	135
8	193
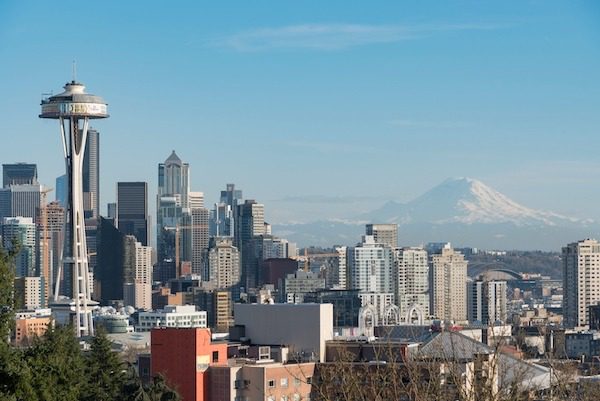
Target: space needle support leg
81	273
58	274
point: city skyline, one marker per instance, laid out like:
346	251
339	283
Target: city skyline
326	94
299	200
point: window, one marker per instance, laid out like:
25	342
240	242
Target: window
297	381
215	356
271	383
270	398
283	382
284	398
309	380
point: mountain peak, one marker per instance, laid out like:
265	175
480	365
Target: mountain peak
468	201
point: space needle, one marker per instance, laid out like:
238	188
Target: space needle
74	108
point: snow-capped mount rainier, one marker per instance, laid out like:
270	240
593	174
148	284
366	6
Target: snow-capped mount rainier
465	201
463	211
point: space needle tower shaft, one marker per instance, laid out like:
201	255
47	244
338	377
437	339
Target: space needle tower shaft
74	108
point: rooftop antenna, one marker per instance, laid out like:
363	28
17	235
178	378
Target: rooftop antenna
74	71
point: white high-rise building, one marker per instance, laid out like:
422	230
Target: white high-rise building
412	280
224	269
29	292
199	237
196	200
371	266
143	277
581	281
335	271
22	230
180	316
139	292
448	270
486	301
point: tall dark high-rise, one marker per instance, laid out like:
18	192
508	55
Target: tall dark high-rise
112	267
61	193
249	223
19	174
91	175
231	196
132	210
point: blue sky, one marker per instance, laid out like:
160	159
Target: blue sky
320	101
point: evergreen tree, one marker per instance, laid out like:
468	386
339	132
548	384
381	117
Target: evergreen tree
14	372
57	366
7	301
133	390
160	391
105	370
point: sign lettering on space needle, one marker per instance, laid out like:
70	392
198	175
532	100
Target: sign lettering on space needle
73	108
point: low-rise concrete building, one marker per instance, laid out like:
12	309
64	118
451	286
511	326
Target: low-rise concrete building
31	324
179	316
303	327
261	381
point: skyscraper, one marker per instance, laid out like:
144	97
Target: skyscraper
231	196
370	266
53	226
132	210
139	292
223	265
174	179
448	285
386	234
412	280
581	281
371	270
335	269
486	301
249	223
221	221
196	200
172	206
111	261
22	230
199	238
22	200
111	211
91	175
19	174
223	215
62	190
